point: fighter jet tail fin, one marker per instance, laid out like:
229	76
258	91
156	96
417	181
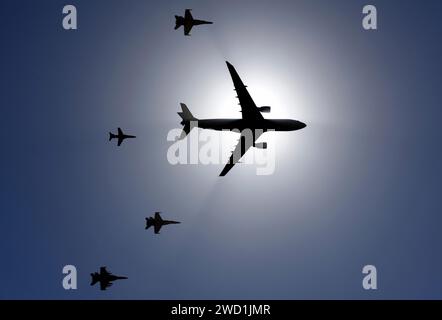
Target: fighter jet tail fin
149	223
187	118
179	21
95	278
111	136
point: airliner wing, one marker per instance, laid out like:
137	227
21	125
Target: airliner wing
240	150
248	107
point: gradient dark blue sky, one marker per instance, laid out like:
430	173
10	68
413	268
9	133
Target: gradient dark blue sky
360	185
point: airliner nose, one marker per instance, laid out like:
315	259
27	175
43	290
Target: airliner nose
298	125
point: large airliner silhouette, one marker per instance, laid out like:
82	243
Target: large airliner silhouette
252	120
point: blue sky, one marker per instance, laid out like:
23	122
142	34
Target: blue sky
359	185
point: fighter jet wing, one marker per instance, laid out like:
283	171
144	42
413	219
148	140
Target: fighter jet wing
188	15
240	150
187	28
104	285
188	24
158	217
103	271
120	136
157	228
248	107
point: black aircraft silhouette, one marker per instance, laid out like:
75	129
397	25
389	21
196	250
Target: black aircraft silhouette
105	278
252	119
188	22
120	136
158	222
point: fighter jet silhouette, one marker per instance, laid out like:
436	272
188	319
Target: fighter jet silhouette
120	136
188	22
105	278
158	222
252	119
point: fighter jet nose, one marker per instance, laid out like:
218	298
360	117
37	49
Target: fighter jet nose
302	125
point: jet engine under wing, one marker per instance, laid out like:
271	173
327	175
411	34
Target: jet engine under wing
240	150
249	109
